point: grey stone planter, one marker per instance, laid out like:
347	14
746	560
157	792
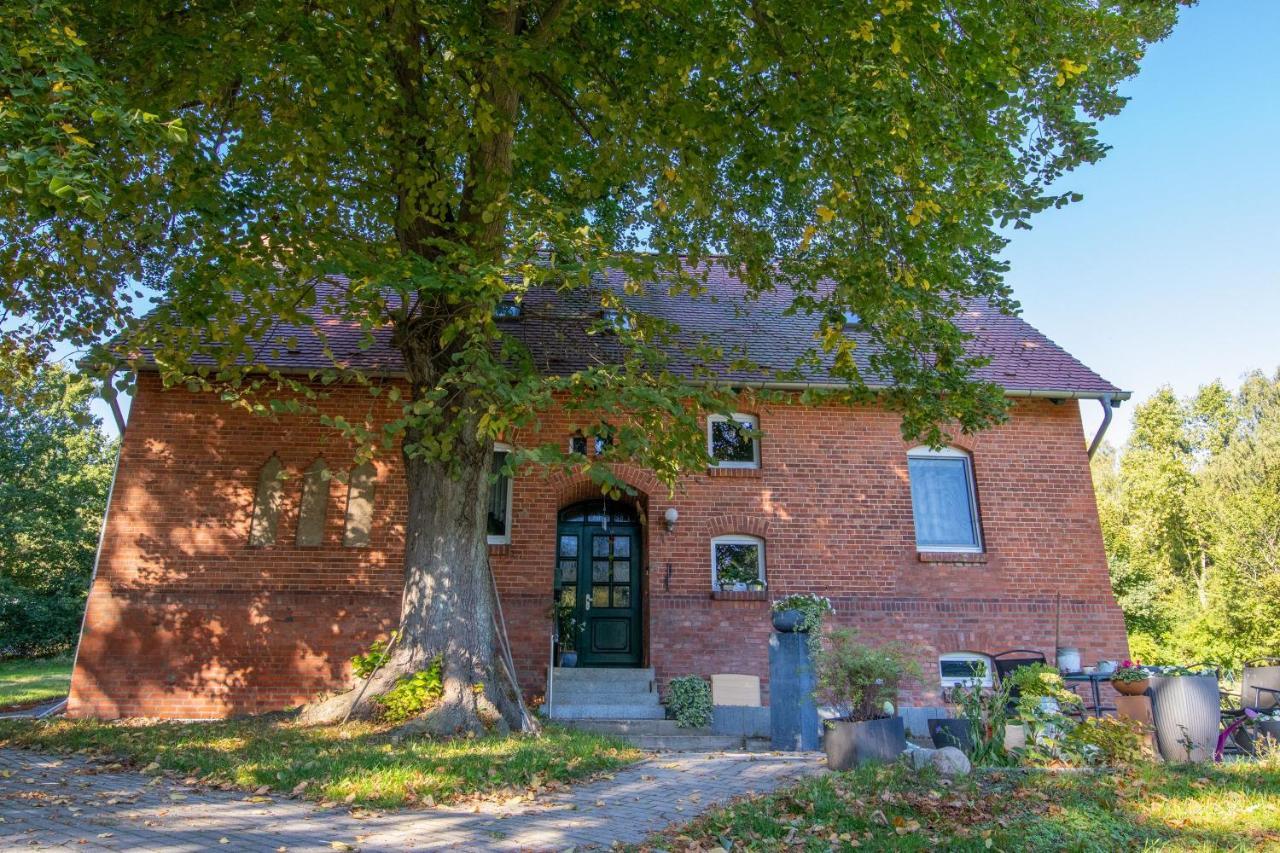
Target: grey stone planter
787	621
951	732
849	744
1187	716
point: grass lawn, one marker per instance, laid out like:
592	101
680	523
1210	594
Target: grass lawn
29	681
355	763
1154	807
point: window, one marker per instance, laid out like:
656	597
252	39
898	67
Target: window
943	500
732	442
617	320
360	486
315	505
499	521
964	668
578	443
266	503
736	561
507	309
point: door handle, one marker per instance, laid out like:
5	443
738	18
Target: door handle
587	606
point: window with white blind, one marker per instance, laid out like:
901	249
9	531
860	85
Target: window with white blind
943	500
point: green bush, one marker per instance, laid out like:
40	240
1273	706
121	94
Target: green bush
859	680
1113	741
412	694
368	663
689	701
35	624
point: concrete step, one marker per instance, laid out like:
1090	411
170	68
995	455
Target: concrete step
588	711
634	727
600	675
604	695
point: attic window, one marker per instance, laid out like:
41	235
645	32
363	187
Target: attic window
620	321
852	318
507	309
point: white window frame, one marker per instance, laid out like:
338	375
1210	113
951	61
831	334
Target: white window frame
741	418
975	657
950	453
505	539
738	539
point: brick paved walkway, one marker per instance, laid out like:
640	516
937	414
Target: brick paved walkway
48	802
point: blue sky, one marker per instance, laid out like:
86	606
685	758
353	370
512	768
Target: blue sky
1166	272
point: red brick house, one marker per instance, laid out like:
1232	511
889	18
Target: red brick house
204	605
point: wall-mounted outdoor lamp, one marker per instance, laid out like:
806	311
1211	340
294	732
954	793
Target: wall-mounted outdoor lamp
671	516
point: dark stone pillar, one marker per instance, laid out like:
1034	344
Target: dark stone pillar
793	716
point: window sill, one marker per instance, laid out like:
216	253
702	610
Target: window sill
744	595
977	558
733	472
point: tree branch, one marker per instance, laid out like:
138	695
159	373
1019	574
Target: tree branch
540	33
570	106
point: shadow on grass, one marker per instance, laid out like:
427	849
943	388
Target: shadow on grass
356	763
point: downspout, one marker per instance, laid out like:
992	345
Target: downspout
1107	409
108	394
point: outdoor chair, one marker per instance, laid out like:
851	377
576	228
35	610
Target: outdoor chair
1259	687
1259	692
1007	662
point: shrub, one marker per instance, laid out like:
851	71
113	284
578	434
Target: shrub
368	663
1113	741
987	710
34	624
689	701
1031	683
412	694
859	680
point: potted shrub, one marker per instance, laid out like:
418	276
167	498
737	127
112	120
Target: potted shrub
1130	679
800	613
860	682
1186	706
756	585
566	632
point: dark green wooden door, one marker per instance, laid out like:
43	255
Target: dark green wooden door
598	570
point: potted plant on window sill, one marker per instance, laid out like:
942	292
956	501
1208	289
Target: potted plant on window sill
800	613
861	682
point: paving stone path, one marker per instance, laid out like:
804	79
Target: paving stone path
50	802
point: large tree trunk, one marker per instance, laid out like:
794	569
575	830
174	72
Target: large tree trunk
447	611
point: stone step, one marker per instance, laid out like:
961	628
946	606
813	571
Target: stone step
600	675
635	727
585	711
603	695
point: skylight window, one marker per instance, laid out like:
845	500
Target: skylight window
507	309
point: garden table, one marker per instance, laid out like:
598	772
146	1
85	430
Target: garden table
1095	680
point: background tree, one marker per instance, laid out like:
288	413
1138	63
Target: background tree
445	156
55	469
1191	519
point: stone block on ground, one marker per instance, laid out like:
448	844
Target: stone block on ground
950	761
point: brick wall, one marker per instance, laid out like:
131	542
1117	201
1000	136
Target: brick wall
185	619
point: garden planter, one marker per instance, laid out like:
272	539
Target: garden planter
1131	688
951	732
1187	715
851	744
787	621
569	659
1015	736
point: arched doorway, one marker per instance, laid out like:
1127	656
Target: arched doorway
598	574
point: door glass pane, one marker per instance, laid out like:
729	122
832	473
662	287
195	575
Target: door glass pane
622	596
600	571
568	546
600	546
568	570
600	595
621	571
622	546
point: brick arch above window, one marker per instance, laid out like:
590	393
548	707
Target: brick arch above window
747	525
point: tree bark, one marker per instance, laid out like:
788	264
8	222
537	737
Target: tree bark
447	608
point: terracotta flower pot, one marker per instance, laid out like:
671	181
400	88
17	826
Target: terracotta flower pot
1131	688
